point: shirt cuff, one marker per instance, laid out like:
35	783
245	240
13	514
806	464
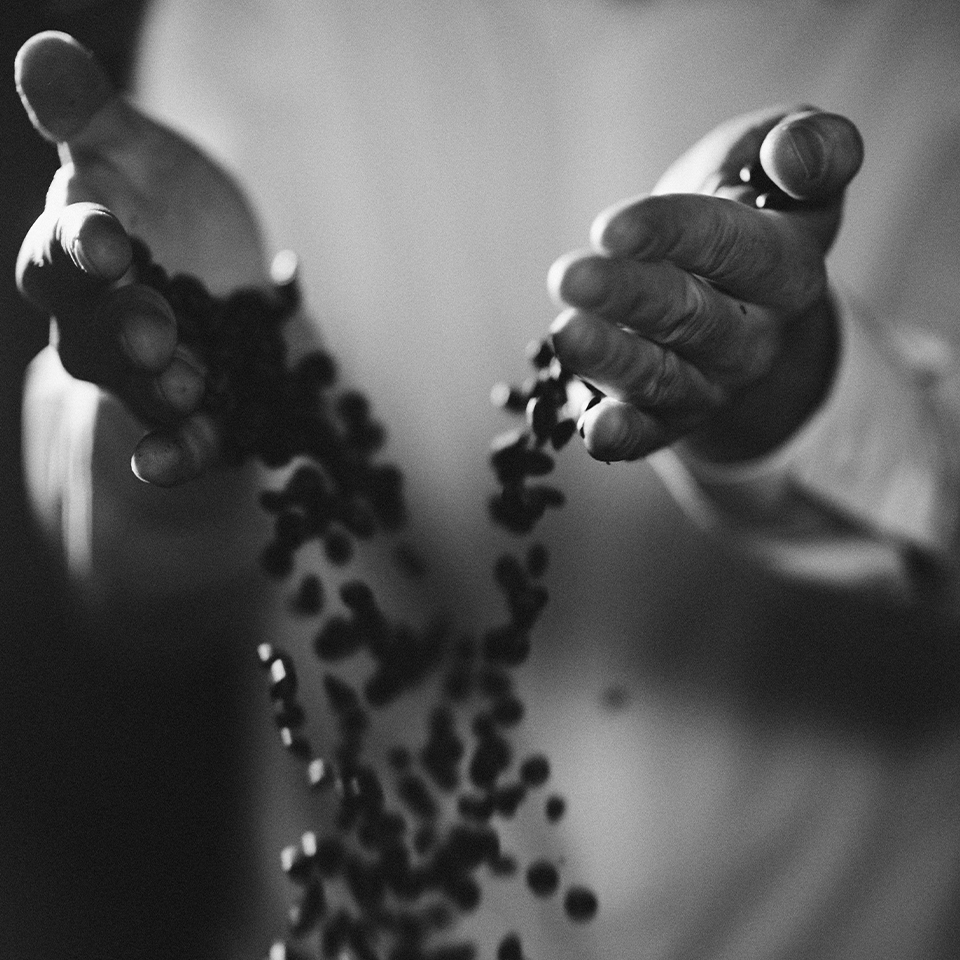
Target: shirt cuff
877	453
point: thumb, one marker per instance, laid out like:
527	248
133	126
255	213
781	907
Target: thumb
61	84
812	155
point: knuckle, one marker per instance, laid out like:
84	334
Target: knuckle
694	323
725	242
744	250
663	385
592	351
804	282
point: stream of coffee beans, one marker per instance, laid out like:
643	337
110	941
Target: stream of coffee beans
411	839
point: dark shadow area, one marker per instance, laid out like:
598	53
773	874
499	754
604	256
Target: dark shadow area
102	850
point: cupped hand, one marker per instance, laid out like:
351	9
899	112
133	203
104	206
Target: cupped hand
701	316
122	176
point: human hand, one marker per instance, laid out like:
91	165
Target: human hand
700	317
124	175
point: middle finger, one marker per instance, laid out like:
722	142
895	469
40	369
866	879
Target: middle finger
759	255
630	368
727	338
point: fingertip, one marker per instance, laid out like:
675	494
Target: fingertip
555	276
569	337
812	155
95	240
613	431
617	231
170	457
160	460
578	279
144	323
60	83
587	345
604	237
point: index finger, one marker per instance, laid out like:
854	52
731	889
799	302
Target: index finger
752	254
70	256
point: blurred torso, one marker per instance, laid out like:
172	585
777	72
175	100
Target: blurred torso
732	748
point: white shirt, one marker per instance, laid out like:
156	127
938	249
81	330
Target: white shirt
864	495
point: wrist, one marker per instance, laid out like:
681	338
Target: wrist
766	414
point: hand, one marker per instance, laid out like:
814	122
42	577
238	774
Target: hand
700	317
124	175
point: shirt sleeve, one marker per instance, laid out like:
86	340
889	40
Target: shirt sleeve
58	415
866	493
117	537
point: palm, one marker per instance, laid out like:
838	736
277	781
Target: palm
124	176
168	193
699	315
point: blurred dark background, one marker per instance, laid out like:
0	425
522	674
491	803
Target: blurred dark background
119	779
77	812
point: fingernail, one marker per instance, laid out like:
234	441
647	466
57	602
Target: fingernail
589	405
169	458
80	258
159	461
809	151
101	246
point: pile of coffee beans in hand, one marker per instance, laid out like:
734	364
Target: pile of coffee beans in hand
408	840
